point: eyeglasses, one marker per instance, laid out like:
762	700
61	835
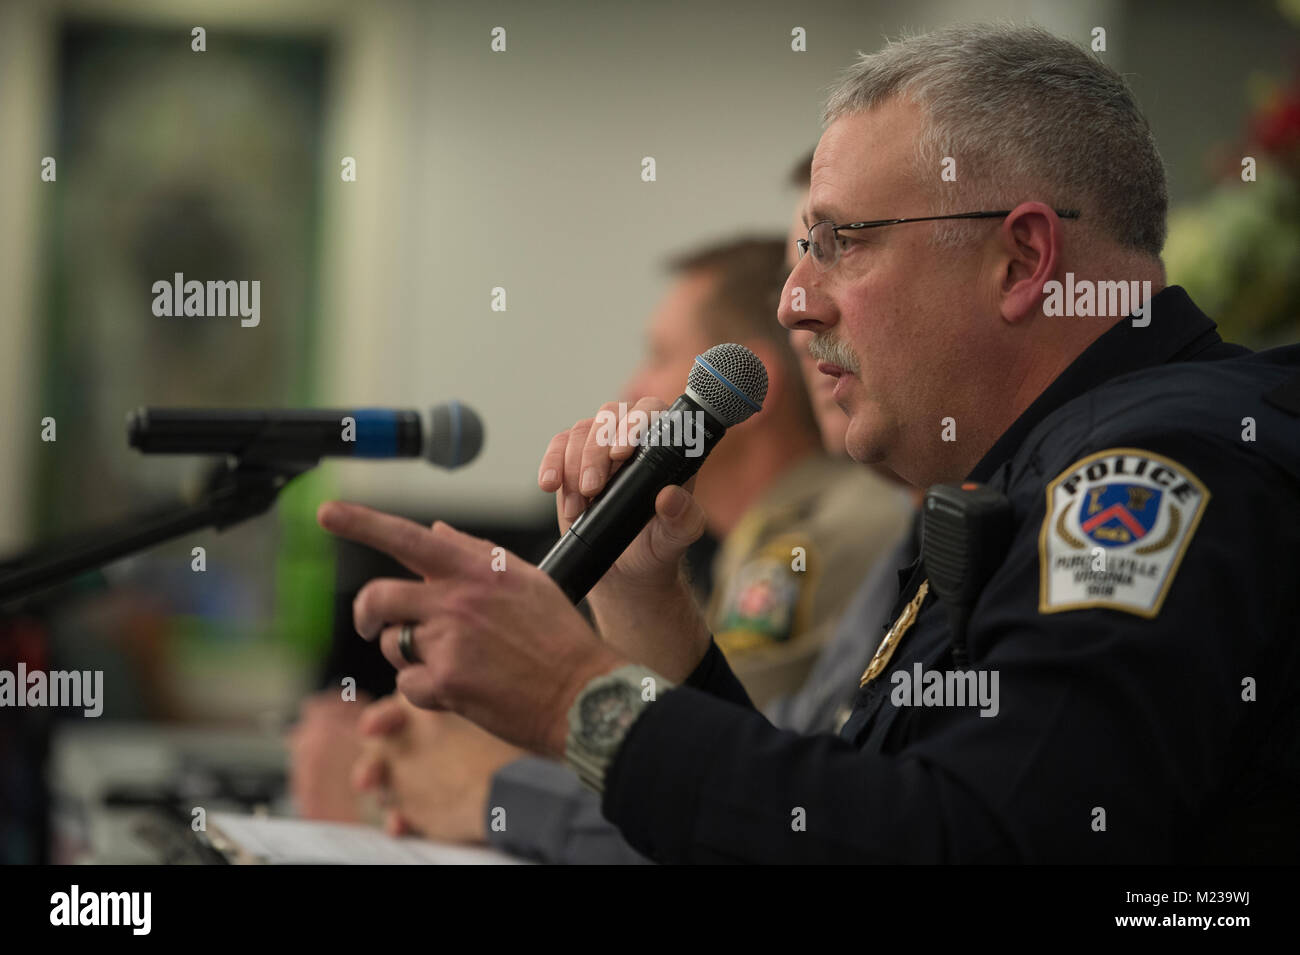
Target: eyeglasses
824	240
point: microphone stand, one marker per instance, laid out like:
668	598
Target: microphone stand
236	492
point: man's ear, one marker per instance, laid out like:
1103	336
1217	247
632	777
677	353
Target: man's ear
1030	250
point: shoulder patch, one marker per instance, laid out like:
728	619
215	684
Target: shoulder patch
762	602
1118	523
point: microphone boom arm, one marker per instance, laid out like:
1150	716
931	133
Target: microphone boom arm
238	492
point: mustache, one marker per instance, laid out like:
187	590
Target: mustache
835	352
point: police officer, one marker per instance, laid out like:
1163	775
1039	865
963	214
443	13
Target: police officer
969	228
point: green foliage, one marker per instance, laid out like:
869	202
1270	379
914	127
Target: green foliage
1237	252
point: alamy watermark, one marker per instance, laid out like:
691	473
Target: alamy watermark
921	687
211	300
72	688
1088	299
130	909
670	428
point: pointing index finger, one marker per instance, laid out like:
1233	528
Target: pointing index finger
408	542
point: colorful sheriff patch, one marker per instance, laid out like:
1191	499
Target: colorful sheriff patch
1117	525
761	603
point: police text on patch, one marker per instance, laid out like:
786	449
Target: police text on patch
1116	527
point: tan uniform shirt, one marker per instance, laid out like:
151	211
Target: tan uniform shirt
786	572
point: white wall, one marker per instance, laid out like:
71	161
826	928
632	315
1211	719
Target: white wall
478	169
522	169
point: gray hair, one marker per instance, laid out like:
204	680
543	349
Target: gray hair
1027	115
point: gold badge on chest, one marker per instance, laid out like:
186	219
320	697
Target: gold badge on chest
885	651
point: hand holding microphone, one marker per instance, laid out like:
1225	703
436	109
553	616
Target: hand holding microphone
653	557
638	521
508	650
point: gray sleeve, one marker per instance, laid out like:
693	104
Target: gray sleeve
551	817
830	686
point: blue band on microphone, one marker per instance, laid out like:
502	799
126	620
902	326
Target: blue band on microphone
730	387
376	433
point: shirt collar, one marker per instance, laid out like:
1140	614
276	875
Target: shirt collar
1177	330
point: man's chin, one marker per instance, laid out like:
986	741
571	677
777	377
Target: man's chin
865	437
863	451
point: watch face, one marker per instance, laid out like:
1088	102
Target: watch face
606	713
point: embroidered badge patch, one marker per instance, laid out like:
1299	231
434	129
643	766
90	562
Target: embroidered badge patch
1117	525
760	606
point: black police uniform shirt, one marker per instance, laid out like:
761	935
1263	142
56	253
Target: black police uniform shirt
1146	710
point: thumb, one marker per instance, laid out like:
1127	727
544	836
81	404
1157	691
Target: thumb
679	523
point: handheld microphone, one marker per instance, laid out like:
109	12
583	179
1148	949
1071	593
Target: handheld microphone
726	385
452	434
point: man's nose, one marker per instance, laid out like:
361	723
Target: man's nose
802	304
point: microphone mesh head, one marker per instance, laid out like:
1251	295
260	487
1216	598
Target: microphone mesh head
455	435
730	381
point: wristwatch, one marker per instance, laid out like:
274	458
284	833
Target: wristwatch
600	717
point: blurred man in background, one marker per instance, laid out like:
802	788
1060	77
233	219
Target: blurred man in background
794	527
767	490
822	704
797	525
538	809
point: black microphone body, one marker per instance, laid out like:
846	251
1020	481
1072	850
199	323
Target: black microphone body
726	385
618	513
294	434
450	437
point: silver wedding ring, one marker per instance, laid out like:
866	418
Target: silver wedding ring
405	643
